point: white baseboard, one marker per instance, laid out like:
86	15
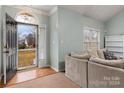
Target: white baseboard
42	63
44	66
54	69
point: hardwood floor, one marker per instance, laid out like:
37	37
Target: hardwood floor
1	85
26	75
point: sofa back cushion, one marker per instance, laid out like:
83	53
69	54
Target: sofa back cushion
113	63
100	53
81	55
93	53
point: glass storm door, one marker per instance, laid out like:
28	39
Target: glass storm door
10	48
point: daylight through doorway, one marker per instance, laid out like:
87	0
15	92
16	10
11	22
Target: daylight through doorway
27	49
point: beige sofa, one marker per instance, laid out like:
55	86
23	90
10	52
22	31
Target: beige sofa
87	73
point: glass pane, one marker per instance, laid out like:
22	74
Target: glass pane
91	39
25	18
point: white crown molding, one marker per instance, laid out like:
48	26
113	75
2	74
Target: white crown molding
53	10
33	10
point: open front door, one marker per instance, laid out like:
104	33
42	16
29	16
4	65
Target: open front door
10	48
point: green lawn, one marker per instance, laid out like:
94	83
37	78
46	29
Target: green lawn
25	58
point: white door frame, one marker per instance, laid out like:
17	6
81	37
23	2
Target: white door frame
42	47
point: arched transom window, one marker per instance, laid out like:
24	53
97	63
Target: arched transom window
25	18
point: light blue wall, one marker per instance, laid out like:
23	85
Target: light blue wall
115	25
71	32
67	35
54	40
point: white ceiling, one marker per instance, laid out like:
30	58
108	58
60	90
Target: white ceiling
98	12
45	8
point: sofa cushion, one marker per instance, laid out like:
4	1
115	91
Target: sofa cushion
114	63
109	55
93	53
80	55
100	53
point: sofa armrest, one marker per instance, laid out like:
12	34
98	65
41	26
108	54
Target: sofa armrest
69	58
76	70
100	75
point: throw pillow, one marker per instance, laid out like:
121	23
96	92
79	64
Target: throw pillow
109	55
